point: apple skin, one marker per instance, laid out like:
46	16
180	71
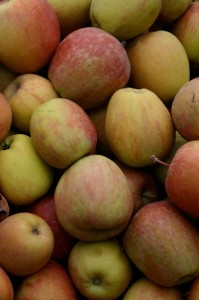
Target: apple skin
92	199
6	117
7	289
44	207
182	178
143	185
62	132
193	290
145	288
159	63
163	243
100	270
71	14
24	94
50	282
185	109
124	20
171	11
31	27
186	29
6	77
134	129
24	176
4	208
26	243
88	66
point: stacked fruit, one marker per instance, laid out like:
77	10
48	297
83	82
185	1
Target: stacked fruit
99	156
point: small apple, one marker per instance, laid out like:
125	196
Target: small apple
92	199
62	132
24	94
29	34
44	207
159	63
6	77
26	243
24	176
7	289
124	19
163	244
138	124
50	282
88	66
100	270
6	117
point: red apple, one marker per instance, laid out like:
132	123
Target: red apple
29	34
50	282
88	66
44	207
6	286
6	117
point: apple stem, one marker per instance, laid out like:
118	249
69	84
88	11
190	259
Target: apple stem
157	160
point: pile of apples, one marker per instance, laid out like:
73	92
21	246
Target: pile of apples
99	149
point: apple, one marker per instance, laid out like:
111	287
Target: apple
159	63
138	124
182	178
26	243
185	109
71	14
6	117
32	28
92	199
163	244
100	270
124	19
24	94
193	290
144	288
4	208
6	77
24	176
186	29
7	289
143	185
62	132
50	282
172	10
88	66
44	207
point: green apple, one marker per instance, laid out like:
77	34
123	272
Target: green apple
26	244
24	176
172	10
100	270
124	19
24	94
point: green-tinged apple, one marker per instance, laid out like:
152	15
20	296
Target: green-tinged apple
62	132
44	207
71	14
124	19
100	270
24	176
98	117
6	77
92	199
186	29
50	282
185	110
172	10
4	208
6	286
160	169
143	185
144	288
24	94
193	291
29	34
138	124
5	117
88	66
181	182
163	243
26	243
159	63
